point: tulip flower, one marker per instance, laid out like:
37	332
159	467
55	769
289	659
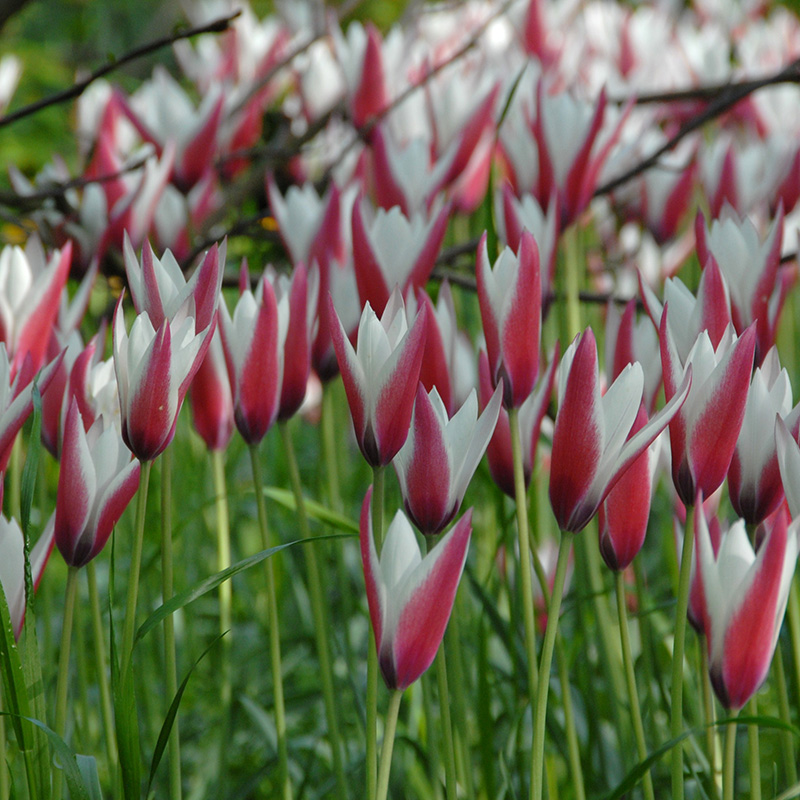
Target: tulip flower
410	597
440	456
12	565
253	341
591	444
750	266
211	399
96	482
159	287
789	465
704	434
531	415
510	297
380	376
30	290
391	249
754	483
154	369
744	598
624	514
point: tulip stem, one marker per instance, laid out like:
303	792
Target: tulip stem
318	606
793	613
729	759
540	716
167	589
102	668
709	719
787	740
274	631
572	254
630	678
388	743
676	723
754	751
378	490
225	601
133	575
63	668
329	447
526	579
451	782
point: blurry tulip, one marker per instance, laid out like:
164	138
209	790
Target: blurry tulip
96	482
211	399
754	481
12	565
380	376
440	456
591	444
510	297
410	597
744	598
30	291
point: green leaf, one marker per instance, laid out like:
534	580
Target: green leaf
213	581
15	692
127	727
315	510
67	761
39	753
31	468
87	765
166	728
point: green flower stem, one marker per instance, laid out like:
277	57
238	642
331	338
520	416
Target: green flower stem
167	590
754	751
676	723
709	717
452	641
787	740
729	759
540	716
14	490
378	490
572	257
274	630
630	677
102	668
524	553
451	782
63	669
318	610
388	743
793	614
129	628
225	600
573	748
328	429
645	631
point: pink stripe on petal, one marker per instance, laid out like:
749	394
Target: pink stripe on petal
428	475
426	259
395	402
521	326
716	429
578	436
749	639
370	280
422	622
297	348
206	291
151	302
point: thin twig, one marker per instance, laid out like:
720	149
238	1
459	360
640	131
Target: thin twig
730	95
217	26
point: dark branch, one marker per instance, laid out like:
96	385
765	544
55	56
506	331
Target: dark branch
217	26
728	97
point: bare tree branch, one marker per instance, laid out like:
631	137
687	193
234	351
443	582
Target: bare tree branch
217	26
728	96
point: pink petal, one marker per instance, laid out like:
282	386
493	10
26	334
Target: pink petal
371	283
422	623
297	348
372	569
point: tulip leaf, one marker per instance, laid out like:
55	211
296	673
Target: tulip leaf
67	761
31	468
127	728
39	753
91	780
166	728
314	510
15	692
210	583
